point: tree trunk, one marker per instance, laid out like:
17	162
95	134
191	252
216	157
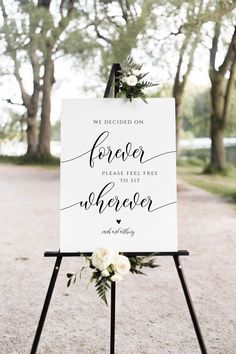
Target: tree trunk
45	126
218	160
32	140
221	91
178	100
32	130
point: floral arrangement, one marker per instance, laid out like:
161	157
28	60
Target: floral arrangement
109	266
131	83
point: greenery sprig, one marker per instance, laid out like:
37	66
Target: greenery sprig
109	266
138	263
131	83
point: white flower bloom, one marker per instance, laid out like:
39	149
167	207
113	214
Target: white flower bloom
124	79
105	273
131	80
116	277
102	258
136	72
121	264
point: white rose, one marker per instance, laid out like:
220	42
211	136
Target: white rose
136	72
131	80
105	273
116	277
124	79
102	258
121	264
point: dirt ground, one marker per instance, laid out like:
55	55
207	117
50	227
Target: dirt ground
152	316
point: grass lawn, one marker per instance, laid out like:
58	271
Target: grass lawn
50	163
224	186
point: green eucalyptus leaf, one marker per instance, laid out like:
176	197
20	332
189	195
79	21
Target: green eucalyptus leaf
120	94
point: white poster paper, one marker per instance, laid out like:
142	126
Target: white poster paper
118	175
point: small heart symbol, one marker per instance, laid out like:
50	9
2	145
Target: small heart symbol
118	221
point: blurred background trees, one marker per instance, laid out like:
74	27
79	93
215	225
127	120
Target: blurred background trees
36	38
48	44
221	91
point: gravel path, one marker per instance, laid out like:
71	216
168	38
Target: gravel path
152	317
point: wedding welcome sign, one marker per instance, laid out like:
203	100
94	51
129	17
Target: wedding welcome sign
118	175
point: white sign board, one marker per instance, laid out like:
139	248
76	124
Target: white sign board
118	175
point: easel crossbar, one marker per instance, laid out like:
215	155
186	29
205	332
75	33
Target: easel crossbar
128	254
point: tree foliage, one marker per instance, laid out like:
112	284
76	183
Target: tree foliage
42	32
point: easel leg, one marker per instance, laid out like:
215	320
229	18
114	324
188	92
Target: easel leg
113	313
46	304
190	305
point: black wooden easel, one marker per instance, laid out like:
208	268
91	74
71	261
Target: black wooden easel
112	89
